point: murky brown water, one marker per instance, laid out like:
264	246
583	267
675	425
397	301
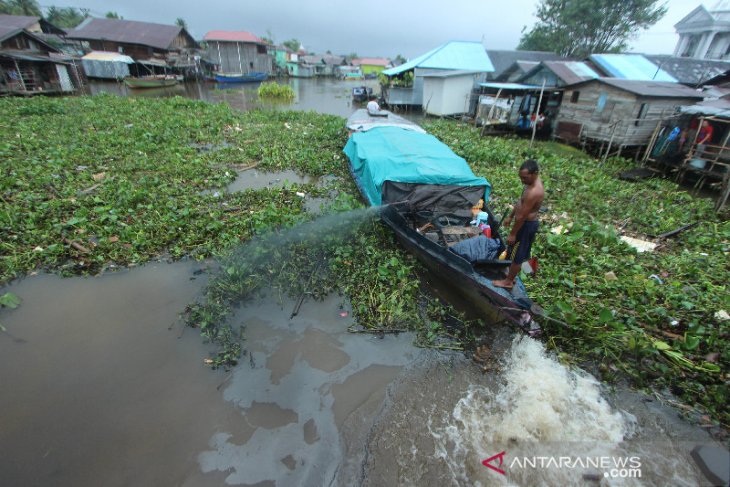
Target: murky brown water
103	390
323	95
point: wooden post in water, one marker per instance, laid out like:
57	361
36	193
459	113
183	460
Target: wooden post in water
537	113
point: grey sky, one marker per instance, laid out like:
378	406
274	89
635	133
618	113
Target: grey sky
371	27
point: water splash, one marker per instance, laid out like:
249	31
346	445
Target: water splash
543	412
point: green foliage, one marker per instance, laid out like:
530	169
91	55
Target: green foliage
276	91
20	7
180	22
578	28
9	300
113	15
292	44
403	80
66	17
660	334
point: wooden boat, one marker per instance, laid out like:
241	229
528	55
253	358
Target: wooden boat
427	192
159	81
361	93
251	77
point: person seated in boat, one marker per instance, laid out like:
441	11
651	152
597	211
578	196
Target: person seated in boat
373	106
525	216
482	246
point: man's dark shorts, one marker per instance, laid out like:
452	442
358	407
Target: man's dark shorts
520	251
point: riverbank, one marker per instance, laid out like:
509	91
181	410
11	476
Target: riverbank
102	182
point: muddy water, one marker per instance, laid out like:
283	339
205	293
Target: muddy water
307	382
446	419
323	95
100	387
255	179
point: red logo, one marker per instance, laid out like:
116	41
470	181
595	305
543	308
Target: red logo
487	463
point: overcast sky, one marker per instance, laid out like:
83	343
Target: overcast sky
377	28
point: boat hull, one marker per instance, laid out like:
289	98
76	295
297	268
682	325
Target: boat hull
240	78
144	83
494	304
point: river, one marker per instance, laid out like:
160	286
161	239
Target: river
324	95
103	385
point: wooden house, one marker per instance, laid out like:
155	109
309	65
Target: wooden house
155	47
29	66
371	65
618	113
238	52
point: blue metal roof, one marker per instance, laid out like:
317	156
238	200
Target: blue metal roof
509	86
630	66
459	55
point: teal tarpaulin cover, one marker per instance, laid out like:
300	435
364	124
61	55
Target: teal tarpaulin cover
405	156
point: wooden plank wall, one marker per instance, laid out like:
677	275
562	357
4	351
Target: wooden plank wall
621	110
250	61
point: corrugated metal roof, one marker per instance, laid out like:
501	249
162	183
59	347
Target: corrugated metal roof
108	56
570	71
26	56
26	22
371	61
440	73
656	89
503	59
457	55
716	108
509	86
17	21
232	36
689	70
630	66
159	36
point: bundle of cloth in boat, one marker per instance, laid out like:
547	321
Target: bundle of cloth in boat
477	248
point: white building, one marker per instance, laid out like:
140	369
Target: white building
705	34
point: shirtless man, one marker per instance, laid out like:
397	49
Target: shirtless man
523	232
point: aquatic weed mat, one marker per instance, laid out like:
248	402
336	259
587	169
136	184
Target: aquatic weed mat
659	317
89	182
346	252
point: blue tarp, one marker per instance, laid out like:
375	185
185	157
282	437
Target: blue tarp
405	156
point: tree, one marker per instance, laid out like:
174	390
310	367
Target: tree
181	23
579	28
66	17
292	44
399	60
20	7
113	15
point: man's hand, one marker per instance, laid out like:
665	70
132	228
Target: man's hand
507	221
511	239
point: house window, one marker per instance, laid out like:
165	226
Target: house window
601	104
260	49
574	97
250	65
643	109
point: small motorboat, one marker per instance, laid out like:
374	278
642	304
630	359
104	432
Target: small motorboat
251	77
426	194
155	81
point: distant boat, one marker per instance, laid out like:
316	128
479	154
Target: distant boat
150	81
361	93
251	77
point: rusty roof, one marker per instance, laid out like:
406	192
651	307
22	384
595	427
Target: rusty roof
159	36
26	22
232	36
654	89
571	71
